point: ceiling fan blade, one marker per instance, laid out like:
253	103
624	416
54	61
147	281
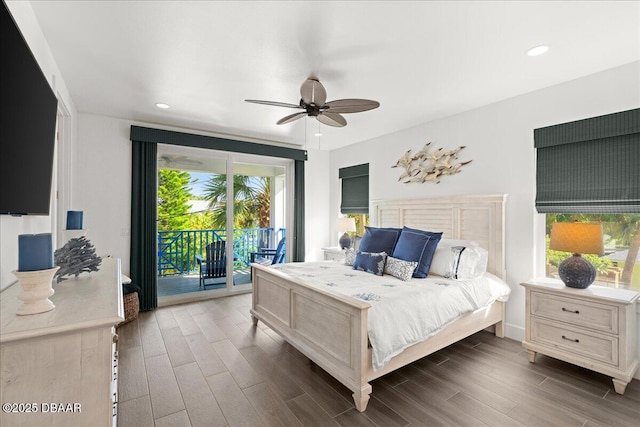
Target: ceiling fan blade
273	103
331	119
291	118
351	105
312	92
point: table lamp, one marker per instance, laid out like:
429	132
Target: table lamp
345	225
577	238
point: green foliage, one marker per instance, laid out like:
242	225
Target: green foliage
200	221
362	220
251	204
173	197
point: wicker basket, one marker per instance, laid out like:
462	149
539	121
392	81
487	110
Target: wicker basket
131	307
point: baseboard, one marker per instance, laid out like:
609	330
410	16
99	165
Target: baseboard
514	332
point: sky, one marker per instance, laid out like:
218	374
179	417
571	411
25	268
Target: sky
197	189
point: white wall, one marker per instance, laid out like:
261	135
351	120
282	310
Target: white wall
11	227
316	196
102	183
499	141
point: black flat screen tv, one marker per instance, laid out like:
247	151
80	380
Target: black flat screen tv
28	109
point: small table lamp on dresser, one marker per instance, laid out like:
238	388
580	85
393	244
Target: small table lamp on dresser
577	238
345	225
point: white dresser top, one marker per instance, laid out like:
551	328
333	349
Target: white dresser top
91	300
617	295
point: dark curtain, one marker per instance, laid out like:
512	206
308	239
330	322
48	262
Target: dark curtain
144	196
298	213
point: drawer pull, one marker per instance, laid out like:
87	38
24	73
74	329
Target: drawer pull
570	339
571	311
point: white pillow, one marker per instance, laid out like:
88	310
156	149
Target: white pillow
459	259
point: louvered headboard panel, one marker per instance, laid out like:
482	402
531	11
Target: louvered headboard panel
472	217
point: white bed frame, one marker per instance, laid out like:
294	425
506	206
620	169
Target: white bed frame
331	329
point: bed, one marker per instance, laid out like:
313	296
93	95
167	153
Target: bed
331	329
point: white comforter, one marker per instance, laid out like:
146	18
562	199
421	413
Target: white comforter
401	313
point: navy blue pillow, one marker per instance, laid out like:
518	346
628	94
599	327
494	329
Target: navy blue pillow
417	245
370	262
379	239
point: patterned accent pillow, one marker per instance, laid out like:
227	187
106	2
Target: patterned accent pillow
370	262
403	270
349	257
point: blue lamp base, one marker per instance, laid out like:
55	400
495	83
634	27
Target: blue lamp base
345	241
577	272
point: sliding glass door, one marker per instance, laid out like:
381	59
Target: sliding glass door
259	215
210	228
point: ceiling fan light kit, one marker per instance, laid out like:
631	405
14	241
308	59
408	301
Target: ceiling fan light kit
313	100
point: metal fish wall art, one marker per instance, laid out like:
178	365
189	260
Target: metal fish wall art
426	166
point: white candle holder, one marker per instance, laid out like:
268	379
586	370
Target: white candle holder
36	290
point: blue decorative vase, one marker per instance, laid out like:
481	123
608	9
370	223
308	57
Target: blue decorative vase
577	272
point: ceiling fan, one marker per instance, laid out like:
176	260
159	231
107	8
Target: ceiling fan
313	101
169	161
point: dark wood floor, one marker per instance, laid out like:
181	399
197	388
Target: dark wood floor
204	364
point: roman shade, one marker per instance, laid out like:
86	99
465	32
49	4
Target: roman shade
590	165
355	189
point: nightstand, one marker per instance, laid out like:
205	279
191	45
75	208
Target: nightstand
594	328
333	253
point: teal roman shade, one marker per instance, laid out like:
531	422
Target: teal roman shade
590	165
355	189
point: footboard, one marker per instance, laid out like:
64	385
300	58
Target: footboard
329	329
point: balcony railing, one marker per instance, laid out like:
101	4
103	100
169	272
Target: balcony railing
177	248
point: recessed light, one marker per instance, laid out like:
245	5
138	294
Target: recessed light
538	50
317	134
162	105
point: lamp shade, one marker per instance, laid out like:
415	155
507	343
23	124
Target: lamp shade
345	225
577	238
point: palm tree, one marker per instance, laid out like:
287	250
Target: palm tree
263	202
251	201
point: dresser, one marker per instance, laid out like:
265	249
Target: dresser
594	328
60	368
333	253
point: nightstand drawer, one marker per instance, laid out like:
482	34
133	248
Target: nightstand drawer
600	347
591	315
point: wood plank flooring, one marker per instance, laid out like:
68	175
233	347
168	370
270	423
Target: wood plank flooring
204	364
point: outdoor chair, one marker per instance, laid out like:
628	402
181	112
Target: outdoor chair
214	266
270	256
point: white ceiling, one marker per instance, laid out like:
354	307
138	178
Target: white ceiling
420	60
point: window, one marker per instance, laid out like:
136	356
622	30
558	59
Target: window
355	195
589	171
620	264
